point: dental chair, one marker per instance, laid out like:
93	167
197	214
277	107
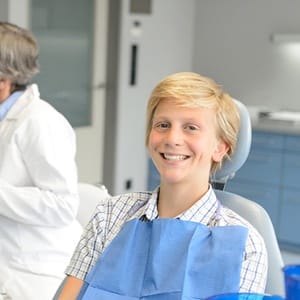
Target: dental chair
89	196
250	210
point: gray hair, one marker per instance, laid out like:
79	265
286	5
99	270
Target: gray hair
19	53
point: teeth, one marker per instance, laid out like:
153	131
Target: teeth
174	157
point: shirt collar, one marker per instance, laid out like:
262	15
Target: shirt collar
203	211
8	103
151	211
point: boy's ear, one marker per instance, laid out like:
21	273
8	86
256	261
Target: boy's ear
220	151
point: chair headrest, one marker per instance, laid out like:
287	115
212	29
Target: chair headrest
230	167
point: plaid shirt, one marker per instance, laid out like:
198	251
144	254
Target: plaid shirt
111	214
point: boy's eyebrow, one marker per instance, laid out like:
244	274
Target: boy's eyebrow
187	119
160	117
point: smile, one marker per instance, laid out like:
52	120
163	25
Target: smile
174	157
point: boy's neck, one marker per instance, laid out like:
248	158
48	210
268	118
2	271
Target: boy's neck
174	200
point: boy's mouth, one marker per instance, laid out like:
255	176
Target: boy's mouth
174	157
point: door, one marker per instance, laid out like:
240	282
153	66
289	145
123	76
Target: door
72	40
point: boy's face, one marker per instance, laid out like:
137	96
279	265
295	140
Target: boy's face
183	143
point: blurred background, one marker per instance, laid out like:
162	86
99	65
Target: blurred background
100	60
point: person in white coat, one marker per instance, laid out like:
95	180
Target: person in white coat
38	177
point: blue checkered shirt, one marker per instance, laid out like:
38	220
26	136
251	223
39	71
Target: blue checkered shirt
111	214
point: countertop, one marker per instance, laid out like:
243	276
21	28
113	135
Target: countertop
275	121
275	127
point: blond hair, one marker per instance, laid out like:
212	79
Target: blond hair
18	54
190	89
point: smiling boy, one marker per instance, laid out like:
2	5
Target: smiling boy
178	241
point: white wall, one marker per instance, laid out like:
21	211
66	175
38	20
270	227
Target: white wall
3	10
229	40
232	45
165	43
15	11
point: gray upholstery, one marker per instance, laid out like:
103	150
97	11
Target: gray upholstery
250	210
259	218
242	150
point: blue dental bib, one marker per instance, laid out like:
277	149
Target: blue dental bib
168	259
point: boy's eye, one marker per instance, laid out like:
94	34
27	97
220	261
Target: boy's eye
191	127
162	125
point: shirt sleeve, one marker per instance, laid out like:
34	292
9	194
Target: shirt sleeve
255	266
90	246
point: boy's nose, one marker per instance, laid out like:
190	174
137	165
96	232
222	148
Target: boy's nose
174	137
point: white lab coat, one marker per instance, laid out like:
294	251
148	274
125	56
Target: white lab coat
38	198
